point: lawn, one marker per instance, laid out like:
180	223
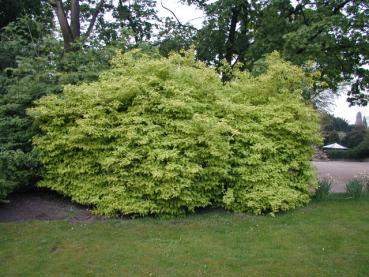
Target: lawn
327	238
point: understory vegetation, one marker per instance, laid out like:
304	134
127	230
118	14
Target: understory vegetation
164	136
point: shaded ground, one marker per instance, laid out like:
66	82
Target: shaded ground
46	205
42	205
340	172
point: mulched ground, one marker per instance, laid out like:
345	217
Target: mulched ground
43	205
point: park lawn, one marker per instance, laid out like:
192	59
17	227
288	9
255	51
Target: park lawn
327	238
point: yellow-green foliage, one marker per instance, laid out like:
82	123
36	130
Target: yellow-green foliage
165	136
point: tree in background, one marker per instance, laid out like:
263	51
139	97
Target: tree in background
139	17
71	31
360	120
354	137
132	21
331	34
11	10
175	36
357	133
334	129
35	21
362	150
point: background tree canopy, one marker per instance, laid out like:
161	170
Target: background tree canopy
332	34
11	10
329	36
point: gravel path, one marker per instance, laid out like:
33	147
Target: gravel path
340	172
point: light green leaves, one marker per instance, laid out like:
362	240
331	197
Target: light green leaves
165	136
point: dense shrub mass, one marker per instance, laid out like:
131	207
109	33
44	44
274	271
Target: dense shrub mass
165	136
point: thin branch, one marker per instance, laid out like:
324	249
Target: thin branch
195	18
340	6
93	20
179	22
33	41
169	10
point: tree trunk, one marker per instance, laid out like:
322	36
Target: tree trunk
71	33
64	26
74	19
231	36
230	42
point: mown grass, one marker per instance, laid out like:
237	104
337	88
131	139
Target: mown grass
326	238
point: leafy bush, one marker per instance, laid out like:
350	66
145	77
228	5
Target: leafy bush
323	189
354	188
165	136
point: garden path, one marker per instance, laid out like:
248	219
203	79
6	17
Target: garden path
340	172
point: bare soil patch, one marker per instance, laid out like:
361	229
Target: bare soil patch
43	205
47	205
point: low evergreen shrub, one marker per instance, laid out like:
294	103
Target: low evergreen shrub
39	69
323	189
354	188
165	136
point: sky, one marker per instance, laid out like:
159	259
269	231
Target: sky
339	108
185	13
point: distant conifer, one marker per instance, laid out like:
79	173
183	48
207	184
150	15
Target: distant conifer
359	120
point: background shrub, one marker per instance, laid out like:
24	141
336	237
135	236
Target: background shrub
354	188
165	136
323	189
364	179
33	70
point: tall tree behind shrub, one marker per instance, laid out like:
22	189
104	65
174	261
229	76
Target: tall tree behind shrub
334	129
359	143
165	136
362	150
331	33
354	137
